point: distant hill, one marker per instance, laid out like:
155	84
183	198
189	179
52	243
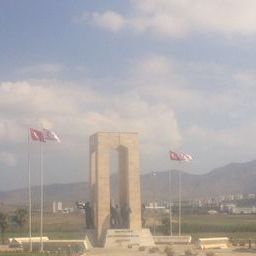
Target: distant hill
230	179
68	193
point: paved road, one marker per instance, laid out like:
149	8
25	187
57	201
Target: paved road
179	250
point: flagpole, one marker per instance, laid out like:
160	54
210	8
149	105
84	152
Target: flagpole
29	195
180	157
179	203
154	201
170	200
42	197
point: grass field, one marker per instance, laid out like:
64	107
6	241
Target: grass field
242	225
72	226
56	226
234	226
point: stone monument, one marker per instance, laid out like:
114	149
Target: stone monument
126	144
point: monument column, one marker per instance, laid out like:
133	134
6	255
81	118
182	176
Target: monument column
133	180
123	170
102	190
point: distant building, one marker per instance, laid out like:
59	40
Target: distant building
239	197
227	207
230	197
234	209
212	212
54	207
155	206
59	206
251	196
221	198
68	210
244	210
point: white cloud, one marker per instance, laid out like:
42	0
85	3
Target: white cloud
76	112
40	102
215	103
108	20
194	88
178	18
247	78
10	131
171	104
222	146
7	159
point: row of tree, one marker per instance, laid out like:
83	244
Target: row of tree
18	219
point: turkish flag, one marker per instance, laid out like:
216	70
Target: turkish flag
174	156
36	135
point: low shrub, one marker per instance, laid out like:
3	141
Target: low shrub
169	251
189	253
210	254
153	250
142	248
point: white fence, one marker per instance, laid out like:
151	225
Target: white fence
213	243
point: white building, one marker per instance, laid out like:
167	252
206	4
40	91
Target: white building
227	207
212	212
59	206
239	197
244	210
54	208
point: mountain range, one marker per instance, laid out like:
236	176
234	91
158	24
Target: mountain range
233	178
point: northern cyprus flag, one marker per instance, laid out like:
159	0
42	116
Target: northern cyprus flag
50	135
185	157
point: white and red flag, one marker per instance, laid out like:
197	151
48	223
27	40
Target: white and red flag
174	156
180	156
50	135
36	135
185	157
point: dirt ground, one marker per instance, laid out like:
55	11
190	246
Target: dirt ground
178	249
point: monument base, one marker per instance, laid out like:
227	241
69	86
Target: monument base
91	238
127	237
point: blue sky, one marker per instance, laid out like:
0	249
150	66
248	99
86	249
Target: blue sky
180	73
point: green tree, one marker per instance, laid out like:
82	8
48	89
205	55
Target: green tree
3	224
20	217
165	228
